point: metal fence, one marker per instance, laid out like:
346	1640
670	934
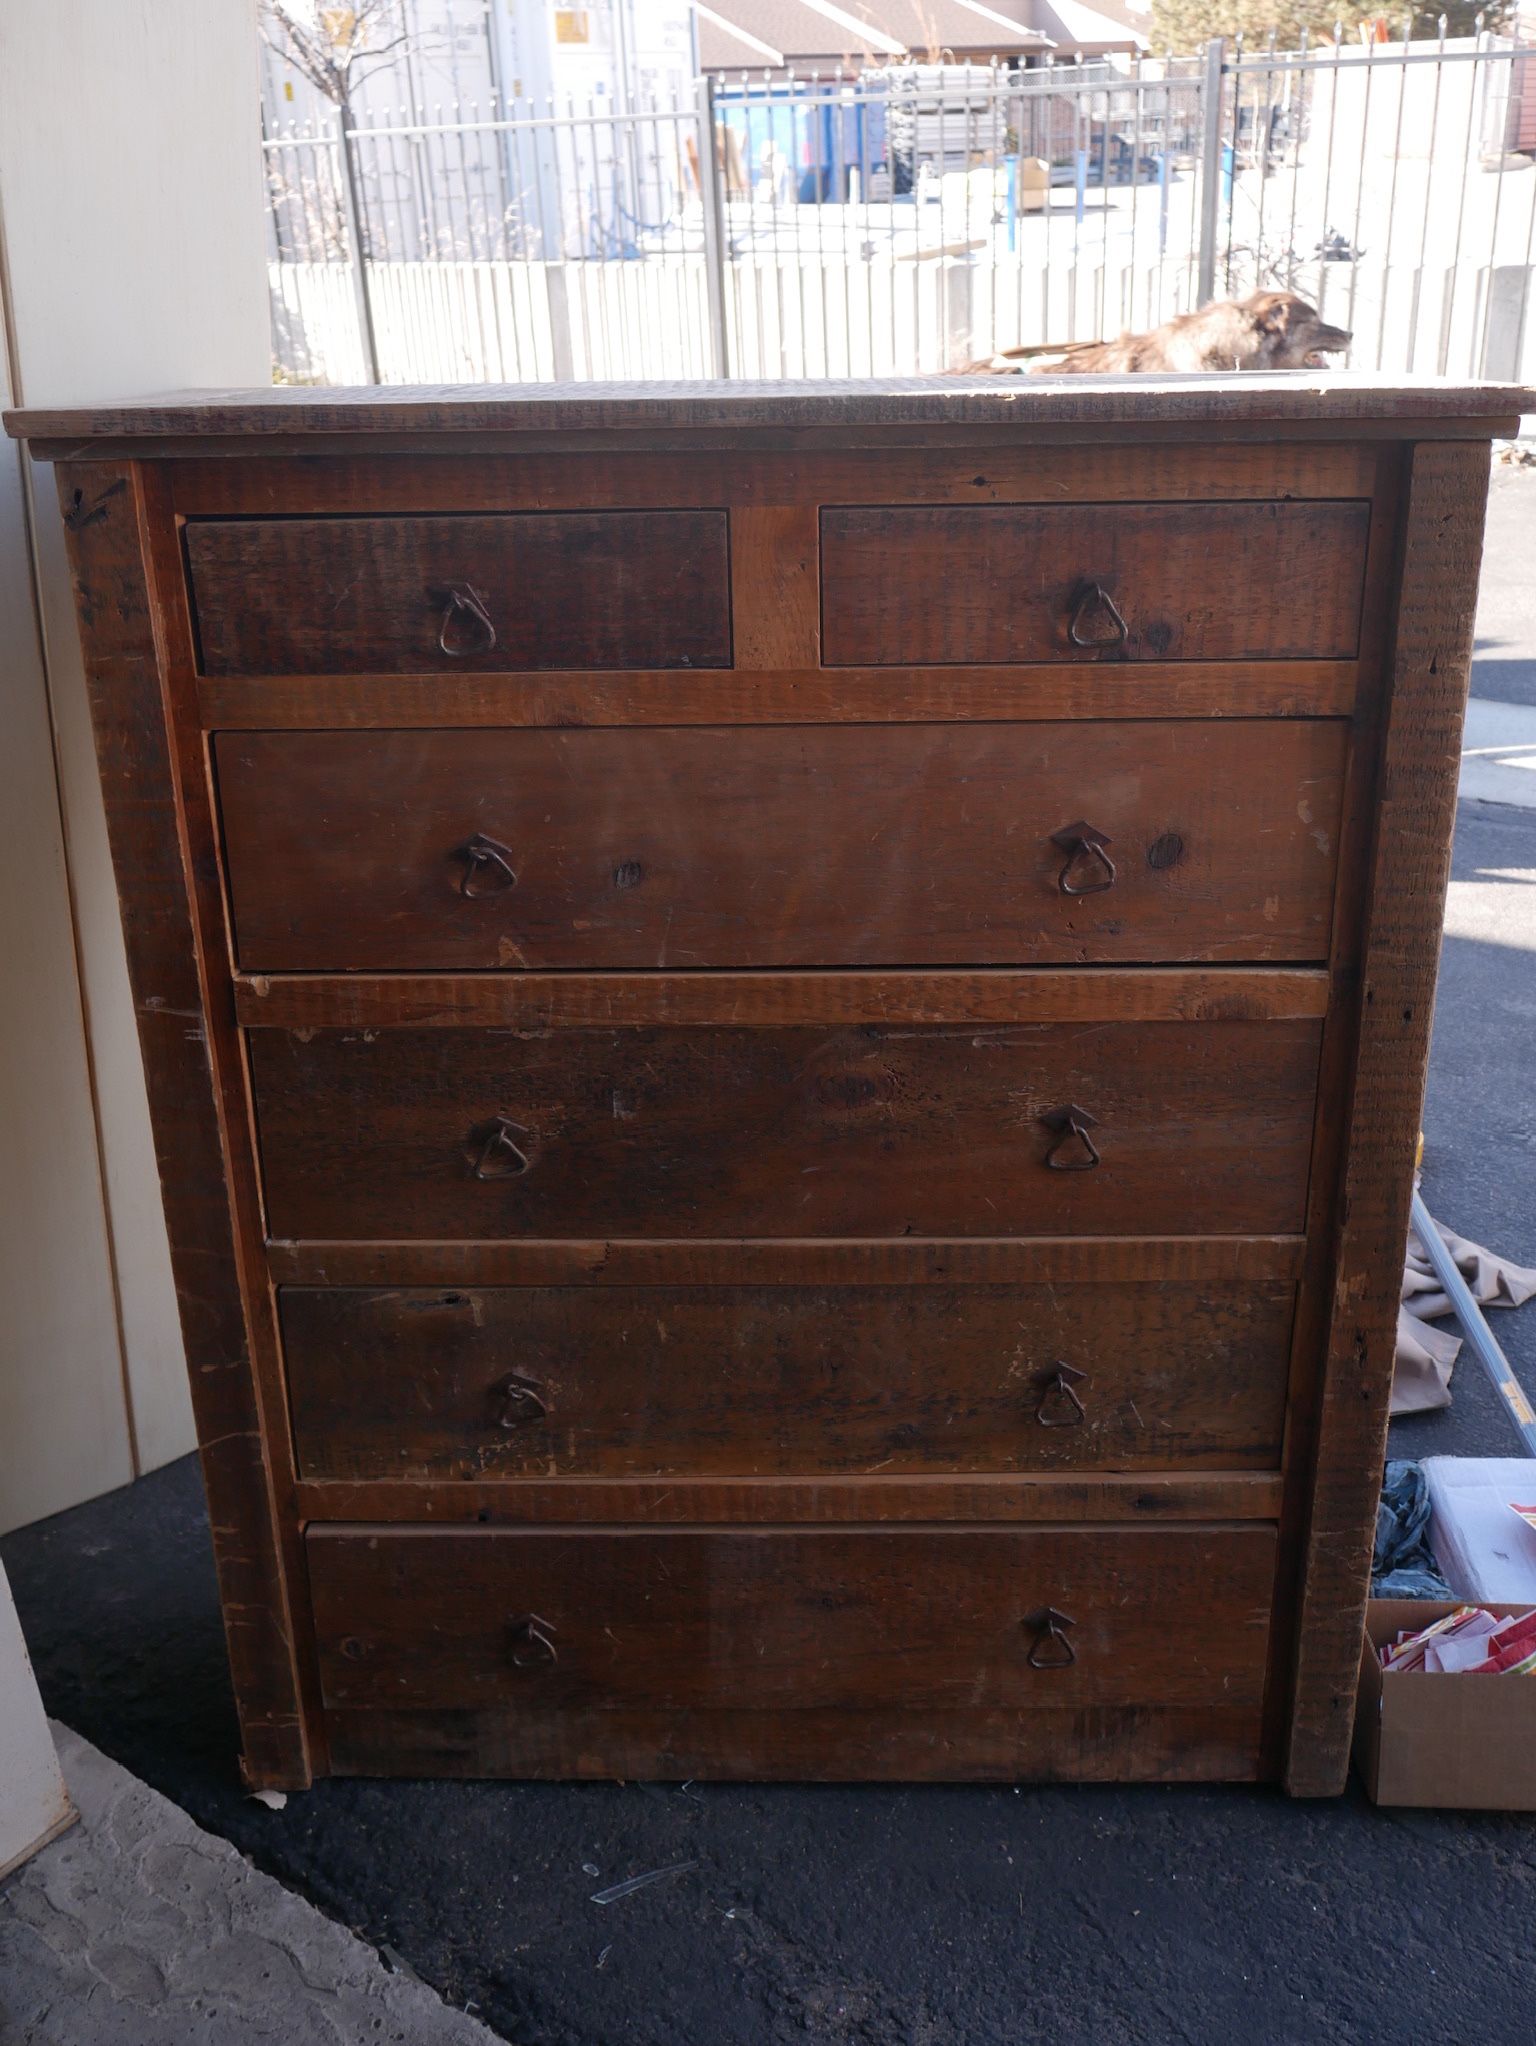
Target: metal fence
916	218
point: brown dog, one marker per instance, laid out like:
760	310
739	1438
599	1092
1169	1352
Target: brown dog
1267	330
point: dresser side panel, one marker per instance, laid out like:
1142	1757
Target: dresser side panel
1427	672
108	515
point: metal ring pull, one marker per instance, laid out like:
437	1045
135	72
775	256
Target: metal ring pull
1052	1649
464	608
522	1402
1074	1123
533	1644
485	859
493	1152
1084	844
1094	598
1059	1396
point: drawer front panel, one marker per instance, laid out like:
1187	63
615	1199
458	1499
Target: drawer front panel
782	846
807	1618
521	590
937	584
651	1381
932	1130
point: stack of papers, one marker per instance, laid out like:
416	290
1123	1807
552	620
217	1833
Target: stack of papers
1467	1642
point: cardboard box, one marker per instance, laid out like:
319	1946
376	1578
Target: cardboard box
1034	186
1464	1742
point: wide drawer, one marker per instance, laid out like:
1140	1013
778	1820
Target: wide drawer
392	595
782	846
873	1130
786	1619
628	1381
927	585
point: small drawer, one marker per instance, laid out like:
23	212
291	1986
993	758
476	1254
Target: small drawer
791	1619
775	1381
930	585
817	845
397	595
867	1131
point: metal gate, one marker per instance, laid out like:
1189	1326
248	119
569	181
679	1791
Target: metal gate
917	218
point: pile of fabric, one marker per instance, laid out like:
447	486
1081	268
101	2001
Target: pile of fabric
1425	1355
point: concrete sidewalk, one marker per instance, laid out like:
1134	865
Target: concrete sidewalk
137	1928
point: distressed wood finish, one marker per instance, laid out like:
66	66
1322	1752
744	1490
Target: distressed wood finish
1430	660
255	421
1213	1261
650	1381
866	1501
733	1371
574	590
161	852
873	1131
1232	582
781	480
1099	693
775	614
692	1620
1213	1743
834	845
549	1001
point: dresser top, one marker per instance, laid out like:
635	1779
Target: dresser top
1030	403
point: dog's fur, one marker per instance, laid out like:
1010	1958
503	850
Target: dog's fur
1267	330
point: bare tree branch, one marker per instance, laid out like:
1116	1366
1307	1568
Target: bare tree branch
340	47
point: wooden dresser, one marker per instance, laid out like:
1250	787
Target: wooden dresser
785	1027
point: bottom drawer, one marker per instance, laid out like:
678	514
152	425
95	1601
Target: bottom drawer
744	1653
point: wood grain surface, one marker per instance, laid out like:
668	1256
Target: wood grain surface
794	1619
1096	691
547	1001
872	1131
784	479
1016	405
157	822
575	590
1429	659
1217	1742
903	586
1211	1261
821	846
1138	1498
419	1382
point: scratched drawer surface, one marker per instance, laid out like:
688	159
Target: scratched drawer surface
791	1618
397	594
782	846
877	1131
646	1381
937	584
